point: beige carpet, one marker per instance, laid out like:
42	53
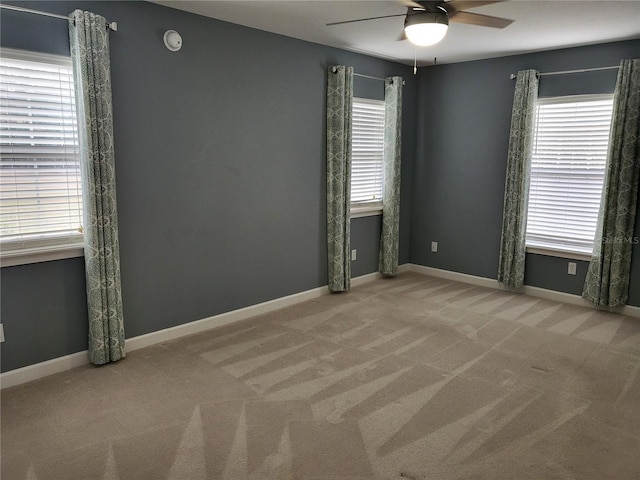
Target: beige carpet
408	378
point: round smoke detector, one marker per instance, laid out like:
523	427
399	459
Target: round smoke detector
172	40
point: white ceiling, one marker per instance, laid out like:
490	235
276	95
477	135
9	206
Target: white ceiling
539	25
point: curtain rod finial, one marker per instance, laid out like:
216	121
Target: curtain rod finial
113	26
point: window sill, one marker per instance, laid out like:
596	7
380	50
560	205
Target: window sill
38	255
366	211
559	253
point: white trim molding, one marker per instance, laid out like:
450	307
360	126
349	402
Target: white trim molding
79	359
538	292
25	257
359	212
222	319
559	253
233	316
43	369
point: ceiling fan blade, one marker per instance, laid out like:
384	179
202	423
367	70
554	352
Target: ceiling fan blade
457	5
364	19
410	4
480	20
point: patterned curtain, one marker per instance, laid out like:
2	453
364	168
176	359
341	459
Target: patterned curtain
339	107
90	55
516	195
607	281
389	240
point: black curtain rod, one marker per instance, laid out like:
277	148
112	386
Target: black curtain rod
110	25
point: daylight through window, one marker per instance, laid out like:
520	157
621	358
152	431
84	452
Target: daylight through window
40	187
367	152
567	172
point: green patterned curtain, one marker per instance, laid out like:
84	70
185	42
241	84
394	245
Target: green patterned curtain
516	194
339	107
607	281
91	67
389	239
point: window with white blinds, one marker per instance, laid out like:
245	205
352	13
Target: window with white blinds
367	147
567	171
40	188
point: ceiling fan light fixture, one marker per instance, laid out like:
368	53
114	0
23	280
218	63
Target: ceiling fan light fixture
426	28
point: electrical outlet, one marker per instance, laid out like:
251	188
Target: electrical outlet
434	247
353	255
572	268
1	333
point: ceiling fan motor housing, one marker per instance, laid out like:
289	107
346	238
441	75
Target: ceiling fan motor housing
417	17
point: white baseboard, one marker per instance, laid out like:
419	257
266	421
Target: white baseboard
43	369
405	267
61	364
538	292
222	319
455	276
362	279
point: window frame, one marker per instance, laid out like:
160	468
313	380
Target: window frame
371	208
559	251
39	250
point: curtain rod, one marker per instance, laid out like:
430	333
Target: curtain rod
364	76
335	70
368	76
565	72
110	25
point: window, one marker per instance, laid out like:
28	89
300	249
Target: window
367	147
40	187
567	172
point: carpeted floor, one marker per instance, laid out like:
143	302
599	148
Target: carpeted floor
408	378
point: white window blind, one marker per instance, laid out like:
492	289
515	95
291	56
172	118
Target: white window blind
40	188
567	171
367	146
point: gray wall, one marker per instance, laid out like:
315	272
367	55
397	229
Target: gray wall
463	124
220	160
221	172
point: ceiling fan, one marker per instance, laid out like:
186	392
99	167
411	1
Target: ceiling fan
426	22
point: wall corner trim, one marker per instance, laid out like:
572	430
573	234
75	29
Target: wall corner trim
79	359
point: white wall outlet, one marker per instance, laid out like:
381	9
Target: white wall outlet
1	333
434	247
353	255
572	268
